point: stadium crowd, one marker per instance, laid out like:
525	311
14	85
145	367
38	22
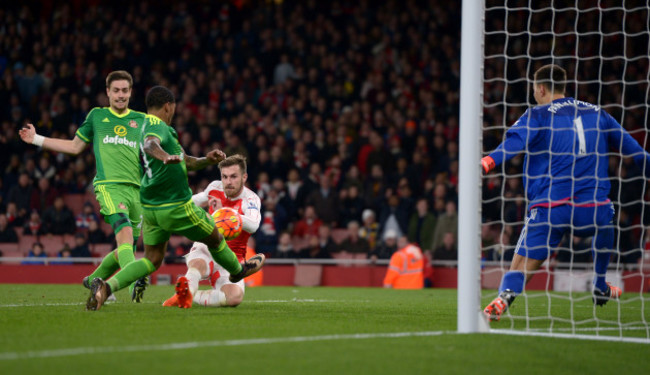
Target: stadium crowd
347	112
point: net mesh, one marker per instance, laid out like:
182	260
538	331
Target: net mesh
605	48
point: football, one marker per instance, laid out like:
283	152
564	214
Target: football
228	222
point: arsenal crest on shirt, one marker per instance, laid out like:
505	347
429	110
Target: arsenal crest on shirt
133	124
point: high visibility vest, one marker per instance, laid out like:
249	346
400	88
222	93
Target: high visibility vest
256	278
405	269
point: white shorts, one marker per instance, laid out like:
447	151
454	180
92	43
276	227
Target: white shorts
217	275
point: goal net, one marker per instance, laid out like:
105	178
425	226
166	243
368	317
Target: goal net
605	48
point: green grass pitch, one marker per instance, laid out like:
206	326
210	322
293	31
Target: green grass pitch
287	330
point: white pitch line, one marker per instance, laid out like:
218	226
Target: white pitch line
206	344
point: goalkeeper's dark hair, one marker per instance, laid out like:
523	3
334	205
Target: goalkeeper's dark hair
553	77
158	96
235	159
119	75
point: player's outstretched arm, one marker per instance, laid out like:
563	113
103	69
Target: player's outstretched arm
152	148
211	158
72	147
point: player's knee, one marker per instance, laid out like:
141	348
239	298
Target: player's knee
200	265
234	296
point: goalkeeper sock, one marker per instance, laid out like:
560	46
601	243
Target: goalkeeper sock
601	261
226	258
212	297
193	276
130	273
514	281
106	268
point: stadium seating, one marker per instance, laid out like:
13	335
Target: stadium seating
9	248
101	249
52	244
308	275
25	243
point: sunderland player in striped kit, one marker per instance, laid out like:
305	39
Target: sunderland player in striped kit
167	203
115	133
566	144
229	192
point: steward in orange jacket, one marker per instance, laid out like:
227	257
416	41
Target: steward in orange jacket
405	268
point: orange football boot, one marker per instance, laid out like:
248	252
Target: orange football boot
183	296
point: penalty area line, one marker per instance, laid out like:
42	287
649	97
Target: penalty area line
55	353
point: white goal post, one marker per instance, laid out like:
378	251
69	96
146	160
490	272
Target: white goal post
605	48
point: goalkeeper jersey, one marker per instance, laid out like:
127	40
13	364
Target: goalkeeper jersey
116	144
163	185
566	146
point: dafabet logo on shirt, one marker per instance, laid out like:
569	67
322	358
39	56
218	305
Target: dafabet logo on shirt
118	139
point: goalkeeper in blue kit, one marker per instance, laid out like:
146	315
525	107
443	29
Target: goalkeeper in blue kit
566	144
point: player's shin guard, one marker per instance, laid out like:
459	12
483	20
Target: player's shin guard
214	298
226	258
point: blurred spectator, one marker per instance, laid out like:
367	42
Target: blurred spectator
96	234
21	195
80	249
285	247
7	233
283	71
325	201
34	226
321	246
43	196
274	221
386	248
448	249
63	255
58	219
12	216
369	230
44	169
422	225
447	223
34	253
375	187
295	193
353	243
308	225
394	215
351	205
87	215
